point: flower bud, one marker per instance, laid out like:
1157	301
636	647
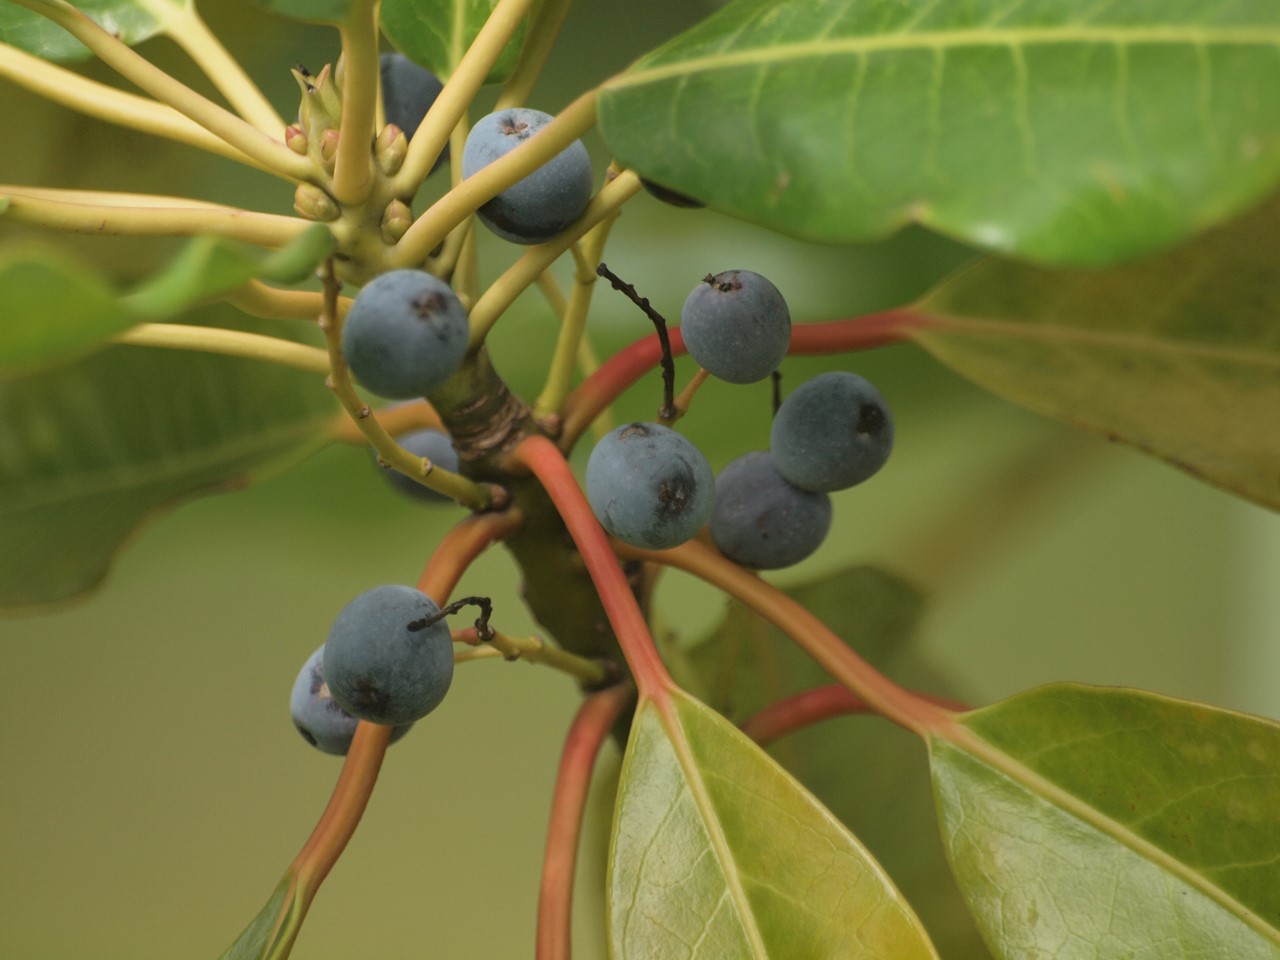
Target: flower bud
314	204
390	148
396	219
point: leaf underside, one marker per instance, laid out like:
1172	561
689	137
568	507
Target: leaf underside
1178	356
92	448
746	664
718	853
1064	132
1106	823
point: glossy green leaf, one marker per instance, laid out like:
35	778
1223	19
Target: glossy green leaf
1065	132
52	309
131	20
1178	356
314	11
92	448
270	935
718	853
56	309
746	664
436	33
1108	823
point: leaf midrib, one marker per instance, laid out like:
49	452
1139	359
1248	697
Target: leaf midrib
672	723
1101	338
941	41
967	741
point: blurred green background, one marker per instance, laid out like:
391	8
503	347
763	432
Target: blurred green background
154	789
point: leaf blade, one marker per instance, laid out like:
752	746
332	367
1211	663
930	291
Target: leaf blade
96	447
1088	810
1025	128
1177	356
132	21
435	34
692	870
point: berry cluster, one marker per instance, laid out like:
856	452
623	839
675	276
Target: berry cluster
651	488
388	659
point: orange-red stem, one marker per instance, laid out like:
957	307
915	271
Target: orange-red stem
813	706
590	728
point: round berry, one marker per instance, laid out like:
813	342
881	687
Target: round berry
436	447
832	432
649	486
546	201
762	521
408	91
322	723
387	659
736	325
405	334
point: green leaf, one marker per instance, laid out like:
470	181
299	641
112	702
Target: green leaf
314	11
52	309
746	664
270	935
130	20
436	33
718	853
1178	356
1108	823
56	310
93	448
1065	132
209	266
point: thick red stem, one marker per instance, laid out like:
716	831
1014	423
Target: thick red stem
548	464
459	549
813	706
590	728
629	364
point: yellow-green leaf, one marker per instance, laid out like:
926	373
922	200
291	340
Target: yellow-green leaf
719	854
1107	823
1178	356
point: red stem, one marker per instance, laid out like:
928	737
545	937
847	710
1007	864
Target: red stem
548	464
629	364
813	706
881	694
582	745
459	549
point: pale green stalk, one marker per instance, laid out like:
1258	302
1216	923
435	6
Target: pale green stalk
271	153
231	343
94	99
538	41
458	92
525	271
353	165
181	218
460	202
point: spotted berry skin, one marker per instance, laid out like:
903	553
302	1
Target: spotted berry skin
832	432
736	325
763	521
405	335
649	486
322	723
546	201
384	661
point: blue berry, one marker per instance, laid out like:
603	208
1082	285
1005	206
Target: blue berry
408	91
436	447
546	201
405	334
384	662
649	486
832	432
762	521
736	325
322	723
